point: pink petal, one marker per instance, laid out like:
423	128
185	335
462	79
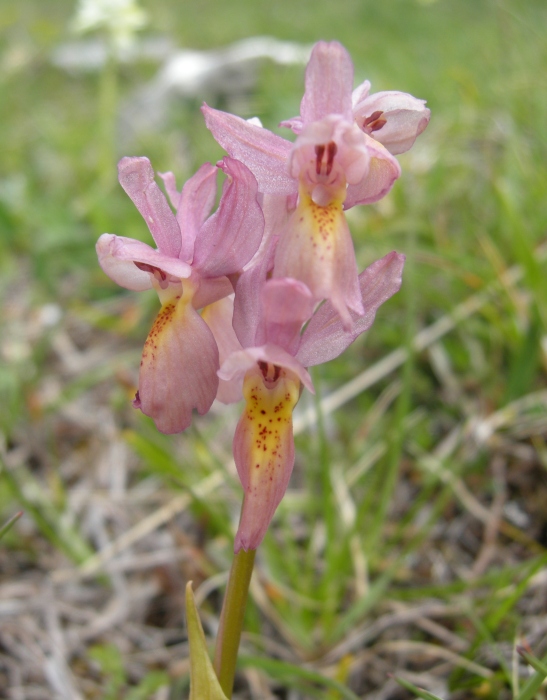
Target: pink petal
218	317
264	453
248	322
294	123
287	304
264	153
210	290
170	185
276	210
316	248
360	93
178	367
406	118
238	363
196	201
349	164
118	255
325	337
329	83
232	235
136	176
383	170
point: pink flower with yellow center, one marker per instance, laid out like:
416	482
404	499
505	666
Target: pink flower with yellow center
342	156
266	355
189	270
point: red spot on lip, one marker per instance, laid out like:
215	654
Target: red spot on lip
374	122
331	152
160	275
325	167
319	152
151	268
271	373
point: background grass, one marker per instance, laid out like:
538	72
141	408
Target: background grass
413	537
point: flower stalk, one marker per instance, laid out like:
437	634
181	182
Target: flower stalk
231	619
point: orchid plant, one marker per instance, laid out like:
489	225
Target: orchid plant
266	287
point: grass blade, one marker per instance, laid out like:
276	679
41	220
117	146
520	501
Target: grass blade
9	524
534	683
284	670
419	692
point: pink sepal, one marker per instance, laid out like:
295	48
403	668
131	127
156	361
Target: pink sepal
248	321
178	368
276	210
325	337
232	235
238	363
264	153
170	184
383	170
360	93
136	176
295	124
211	290
194	204
118	255
329	83
406	117
218	317
287	304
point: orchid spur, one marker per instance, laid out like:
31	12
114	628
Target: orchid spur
269	368
189	270
342	156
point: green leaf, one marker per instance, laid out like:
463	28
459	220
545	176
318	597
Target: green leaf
110	660
283	670
45	515
10	522
534	683
204	684
153	681
535	663
419	692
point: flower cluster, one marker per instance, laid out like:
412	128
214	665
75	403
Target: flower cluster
268	285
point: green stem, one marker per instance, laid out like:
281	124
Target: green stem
231	619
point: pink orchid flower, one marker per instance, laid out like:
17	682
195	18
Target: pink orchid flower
189	269
266	360
342	156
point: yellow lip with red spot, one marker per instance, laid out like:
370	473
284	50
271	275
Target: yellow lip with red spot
264	448
316	233
316	248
